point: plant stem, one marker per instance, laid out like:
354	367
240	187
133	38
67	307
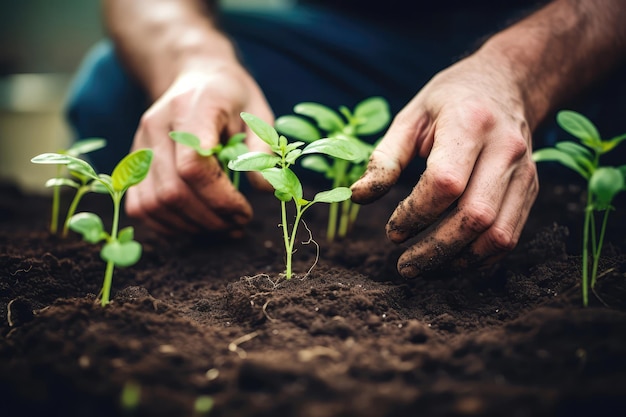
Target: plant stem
354	213
598	251
72	209
344	222
106	285
288	252
236	176
585	277
56	197
333	209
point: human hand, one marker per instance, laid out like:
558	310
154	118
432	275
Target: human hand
184	192
473	199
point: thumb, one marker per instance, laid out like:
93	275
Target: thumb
389	158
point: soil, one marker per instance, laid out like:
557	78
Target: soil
213	317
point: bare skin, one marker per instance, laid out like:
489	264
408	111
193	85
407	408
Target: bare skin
191	71
473	124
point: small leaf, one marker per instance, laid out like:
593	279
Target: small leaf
89	225
612	143
51	158
131	170
80	167
84	146
57	182
261	128
579	126
325	117
556	155
100	188
191	140
333	196
121	254
297	127
316	163
373	114
253	161
604	184
293	155
336	148
236	139
126	234
284	180
286	197
231	152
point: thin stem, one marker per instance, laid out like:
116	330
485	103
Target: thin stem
344	222
117	198
288	252
56	198
596	254
585	277
236	177
331	229
106	285
80	192
294	232
354	213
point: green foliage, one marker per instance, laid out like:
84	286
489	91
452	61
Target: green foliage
81	184
603	183
342	130
120	249
275	168
224	152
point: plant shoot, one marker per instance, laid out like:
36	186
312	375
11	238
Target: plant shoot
275	168
603	184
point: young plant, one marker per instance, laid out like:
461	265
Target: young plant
120	248
603	184
275	168
224	152
313	122
80	147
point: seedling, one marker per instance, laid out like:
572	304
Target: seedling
313	121
603	184
275	168
80	147
224	152
120	249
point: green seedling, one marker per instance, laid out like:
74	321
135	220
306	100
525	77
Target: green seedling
313	122
275	168
224	152
80	147
603	184
120	248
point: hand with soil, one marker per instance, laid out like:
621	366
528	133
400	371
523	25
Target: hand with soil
192	73
479	184
473	123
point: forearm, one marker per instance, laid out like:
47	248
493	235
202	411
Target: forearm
559	51
157	39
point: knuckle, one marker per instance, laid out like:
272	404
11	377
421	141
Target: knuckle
516	146
449	185
501	239
171	195
478	217
478	118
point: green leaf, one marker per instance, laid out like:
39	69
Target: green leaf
99	187
297	127
612	143
261	128
107	182
579	126
191	140
89	225
604	184
126	234
581	155
231	152
84	146
121	254
236	139
293	155
253	161
556	155
51	158
337	148
373	115
316	163
284	181
80	167
325	117
131	170
333	196
57	182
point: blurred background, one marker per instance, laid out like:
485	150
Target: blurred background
42	43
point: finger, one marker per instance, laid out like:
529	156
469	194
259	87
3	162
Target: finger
398	147
476	212
448	169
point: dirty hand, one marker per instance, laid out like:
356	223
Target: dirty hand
472	200
184	192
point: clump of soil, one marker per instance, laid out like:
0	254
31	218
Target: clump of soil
213	317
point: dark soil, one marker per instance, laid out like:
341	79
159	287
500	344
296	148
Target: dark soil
212	317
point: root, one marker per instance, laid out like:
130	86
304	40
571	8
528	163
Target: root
9	318
234	345
317	250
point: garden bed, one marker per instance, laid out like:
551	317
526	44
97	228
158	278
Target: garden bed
211	317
